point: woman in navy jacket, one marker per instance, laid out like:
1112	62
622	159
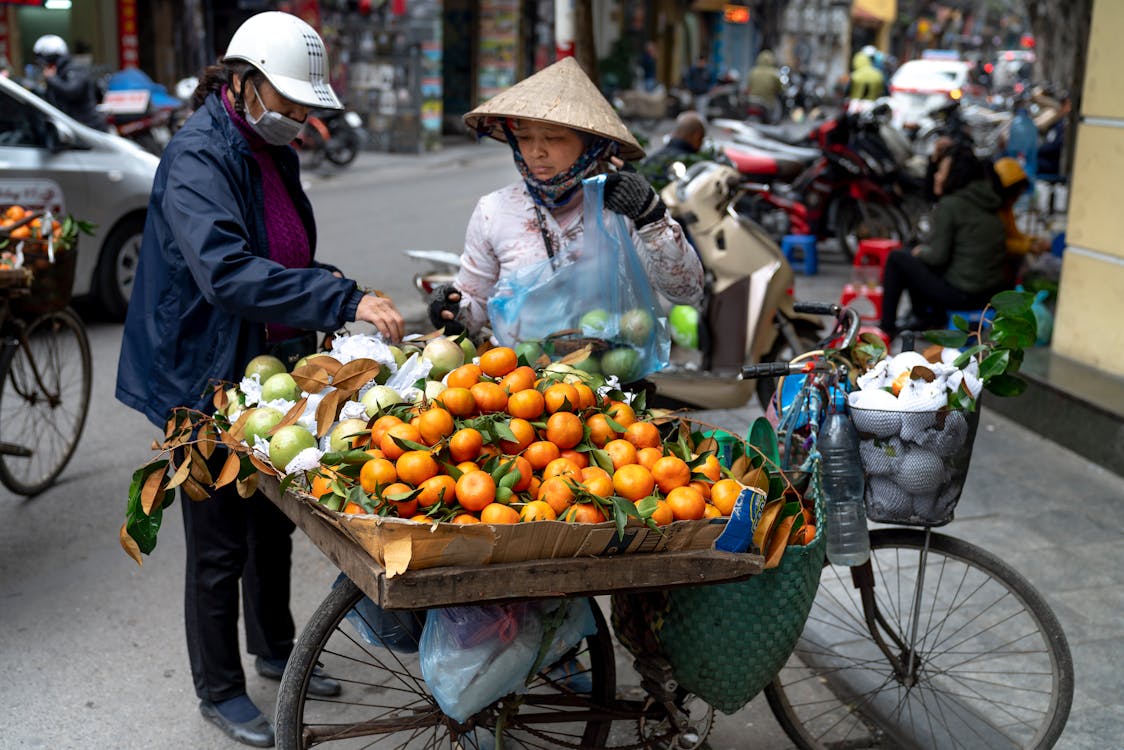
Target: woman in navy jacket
227	273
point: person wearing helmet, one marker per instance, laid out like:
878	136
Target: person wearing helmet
764	83
227	272
70	87
867	81
561	130
1011	183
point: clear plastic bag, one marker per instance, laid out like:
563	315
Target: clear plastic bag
473	656
595	291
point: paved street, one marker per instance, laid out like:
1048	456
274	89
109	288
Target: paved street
92	648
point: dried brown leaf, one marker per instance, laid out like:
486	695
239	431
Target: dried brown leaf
263	466
220	399
194	490
182	473
152	493
229	441
578	356
327	411
155	446
238	429
207	437
199	471
291	416
130	546
355	374
312	377
740	466
248	486
229	471
707	444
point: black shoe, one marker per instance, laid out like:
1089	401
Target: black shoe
257	732
324	687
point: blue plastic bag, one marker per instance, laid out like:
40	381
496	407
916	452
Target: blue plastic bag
473	656
593	289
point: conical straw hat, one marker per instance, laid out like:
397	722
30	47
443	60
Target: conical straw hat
561	94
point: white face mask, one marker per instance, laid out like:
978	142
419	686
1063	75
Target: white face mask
275	128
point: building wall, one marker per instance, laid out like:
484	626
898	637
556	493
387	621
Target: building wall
1090	305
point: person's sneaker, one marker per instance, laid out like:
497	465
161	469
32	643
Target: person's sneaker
324	687
240	719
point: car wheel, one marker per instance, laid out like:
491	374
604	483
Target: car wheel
117	266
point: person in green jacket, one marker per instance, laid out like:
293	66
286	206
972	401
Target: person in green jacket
765	82
963	264
867	81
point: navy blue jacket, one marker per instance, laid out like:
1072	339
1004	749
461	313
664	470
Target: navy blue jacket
205	286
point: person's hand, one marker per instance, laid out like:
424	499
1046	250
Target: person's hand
941	146
444	303
629	194
382	314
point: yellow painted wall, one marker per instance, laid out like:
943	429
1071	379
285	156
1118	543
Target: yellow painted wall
1091	297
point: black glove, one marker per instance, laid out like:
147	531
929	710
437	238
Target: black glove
439	302
628	193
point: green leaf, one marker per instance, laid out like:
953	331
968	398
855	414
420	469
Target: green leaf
286	483
1006	385
646	506
408	445
952	339
1015	332
355	456
504	494
776	486
503	431
966	355
1011	302
994	364
763	437
622	509
602	459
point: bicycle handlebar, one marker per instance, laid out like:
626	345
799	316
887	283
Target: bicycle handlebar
781	369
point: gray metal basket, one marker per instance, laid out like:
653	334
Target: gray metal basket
915	463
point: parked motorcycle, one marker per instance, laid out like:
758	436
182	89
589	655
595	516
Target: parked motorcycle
332	134
839	191
137	108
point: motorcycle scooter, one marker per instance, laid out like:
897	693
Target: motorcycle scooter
749	314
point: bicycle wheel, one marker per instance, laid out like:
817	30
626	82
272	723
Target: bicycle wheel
385	702
44	396
992	668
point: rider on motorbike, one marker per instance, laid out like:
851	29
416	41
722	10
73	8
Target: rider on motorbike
561	130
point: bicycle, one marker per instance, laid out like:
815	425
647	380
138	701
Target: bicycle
45	374
573	702
933	642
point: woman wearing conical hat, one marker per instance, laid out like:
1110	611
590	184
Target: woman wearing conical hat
561	130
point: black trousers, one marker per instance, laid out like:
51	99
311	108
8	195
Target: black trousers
231	539
929	294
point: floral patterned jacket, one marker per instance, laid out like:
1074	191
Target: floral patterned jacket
504	235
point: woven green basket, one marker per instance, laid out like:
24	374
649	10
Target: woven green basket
726	642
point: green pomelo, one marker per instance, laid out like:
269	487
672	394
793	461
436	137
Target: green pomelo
624	363
264	365
343	434
280	386
379	397
261	420
637	326
287	442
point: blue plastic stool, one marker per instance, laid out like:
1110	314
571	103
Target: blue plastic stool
972	316
806	244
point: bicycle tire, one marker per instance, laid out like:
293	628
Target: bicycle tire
54	414
838	689
376	679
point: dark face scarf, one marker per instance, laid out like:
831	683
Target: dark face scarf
559	189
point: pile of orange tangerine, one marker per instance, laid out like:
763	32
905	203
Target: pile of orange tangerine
505	443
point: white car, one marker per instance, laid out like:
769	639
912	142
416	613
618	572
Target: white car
920	86
47	160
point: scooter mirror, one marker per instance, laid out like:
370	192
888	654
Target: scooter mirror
679	170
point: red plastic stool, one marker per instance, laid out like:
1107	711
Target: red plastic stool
874	252
870	306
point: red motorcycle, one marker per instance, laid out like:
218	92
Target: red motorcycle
830	192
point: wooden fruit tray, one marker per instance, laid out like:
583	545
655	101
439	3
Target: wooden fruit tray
527	579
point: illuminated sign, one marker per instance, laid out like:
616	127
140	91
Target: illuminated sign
736	14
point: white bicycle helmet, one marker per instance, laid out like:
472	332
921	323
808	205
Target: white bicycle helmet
289	53
50	45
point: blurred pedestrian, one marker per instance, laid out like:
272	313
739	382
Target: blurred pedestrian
867	81
70	87
684	145
699	80
227	272
648	63
764	83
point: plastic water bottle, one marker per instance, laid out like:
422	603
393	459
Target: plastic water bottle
848	542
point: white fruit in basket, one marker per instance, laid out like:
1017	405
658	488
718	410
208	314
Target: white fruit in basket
886	500
920	472
905	362
945	440
876	458
342	435
379	397
940	508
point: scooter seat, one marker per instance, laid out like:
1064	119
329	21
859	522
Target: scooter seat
764	166
792	133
